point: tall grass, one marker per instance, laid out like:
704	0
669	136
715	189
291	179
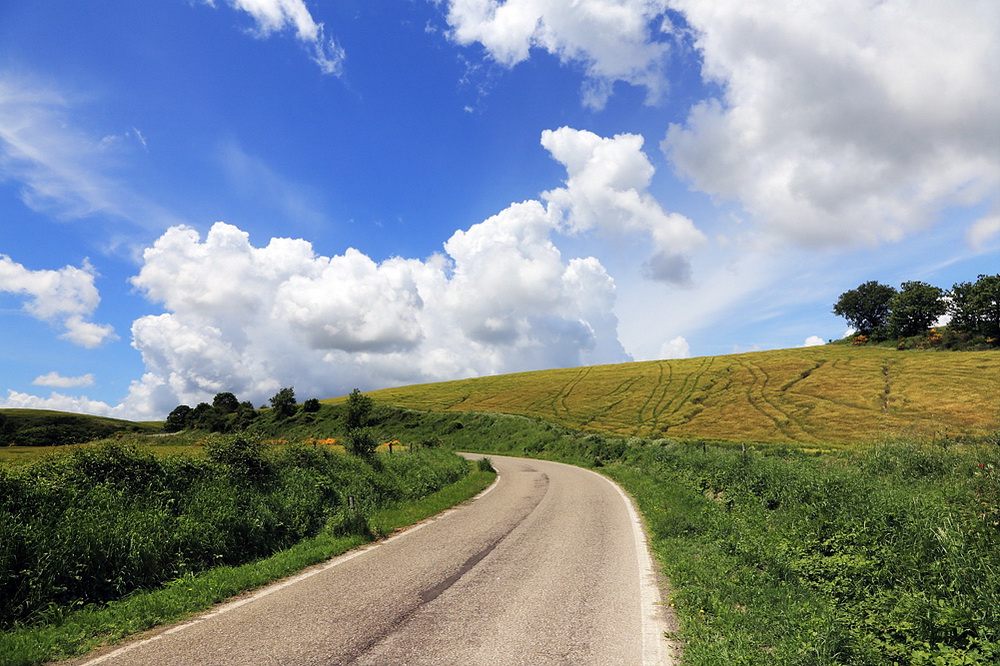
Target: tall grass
883	557
101	522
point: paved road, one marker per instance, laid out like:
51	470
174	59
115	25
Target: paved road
546	567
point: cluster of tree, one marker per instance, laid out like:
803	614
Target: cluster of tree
881	312
228	414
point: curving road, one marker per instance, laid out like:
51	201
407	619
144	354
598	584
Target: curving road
548	566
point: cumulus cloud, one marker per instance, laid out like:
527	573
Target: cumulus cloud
500	297
813	341
59	402
844	122
252	319
272	16
66	298
676	348
56	380
614	40
606	190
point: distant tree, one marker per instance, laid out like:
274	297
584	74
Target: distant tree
310	405
975	306
178	419
359	409
225	402
244	415
866	308
206	417
283	403
915	308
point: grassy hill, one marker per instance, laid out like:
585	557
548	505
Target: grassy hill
816	396
40	427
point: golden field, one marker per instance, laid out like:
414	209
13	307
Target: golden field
816	396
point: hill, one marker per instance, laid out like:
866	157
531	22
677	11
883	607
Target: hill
816	396
40	427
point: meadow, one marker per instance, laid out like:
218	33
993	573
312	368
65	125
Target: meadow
815	398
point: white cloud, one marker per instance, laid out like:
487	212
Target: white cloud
500	298
66	298
813	341
252	319
615	40
59	402
676	348
273	16
56	380
606	190
844	122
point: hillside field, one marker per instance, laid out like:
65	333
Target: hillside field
813	397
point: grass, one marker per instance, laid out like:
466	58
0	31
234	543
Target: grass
817	397
62	633
41	427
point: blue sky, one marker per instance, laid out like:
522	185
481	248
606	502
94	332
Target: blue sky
248	194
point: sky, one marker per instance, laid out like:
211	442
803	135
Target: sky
200	196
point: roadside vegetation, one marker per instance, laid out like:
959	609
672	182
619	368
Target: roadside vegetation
882	554
106	539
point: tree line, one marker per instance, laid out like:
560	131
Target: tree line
228	414
881	312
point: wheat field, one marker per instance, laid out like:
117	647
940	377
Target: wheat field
817	396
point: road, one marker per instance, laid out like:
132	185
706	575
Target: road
548	566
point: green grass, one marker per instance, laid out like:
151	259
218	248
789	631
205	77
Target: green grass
815	398
62	633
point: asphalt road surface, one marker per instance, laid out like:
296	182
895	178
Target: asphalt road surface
548	566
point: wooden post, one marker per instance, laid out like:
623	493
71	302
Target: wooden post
744	453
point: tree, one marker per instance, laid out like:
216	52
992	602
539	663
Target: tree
283	403
310	405
866	308
915	308
225	402
975	306
359	408
177	420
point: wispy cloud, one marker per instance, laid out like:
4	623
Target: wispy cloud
63	170
271	16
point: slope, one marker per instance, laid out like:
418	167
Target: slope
813	396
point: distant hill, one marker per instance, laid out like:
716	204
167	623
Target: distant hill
40	427
820	396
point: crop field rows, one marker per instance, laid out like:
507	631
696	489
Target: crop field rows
815	396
